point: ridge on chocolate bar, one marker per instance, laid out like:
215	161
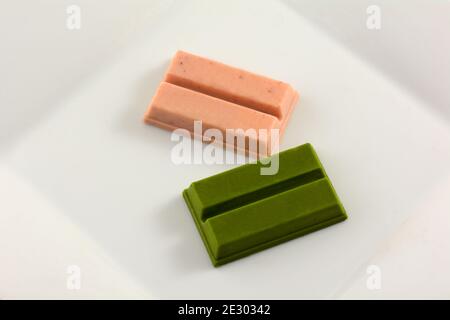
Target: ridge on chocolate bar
221	96
240	212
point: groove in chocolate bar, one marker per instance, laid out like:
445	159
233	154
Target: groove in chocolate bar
263	193
222	95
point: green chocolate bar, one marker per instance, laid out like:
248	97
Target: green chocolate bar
239	212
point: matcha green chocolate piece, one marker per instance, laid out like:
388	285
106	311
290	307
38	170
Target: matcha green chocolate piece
239	212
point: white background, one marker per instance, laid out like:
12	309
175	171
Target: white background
62	91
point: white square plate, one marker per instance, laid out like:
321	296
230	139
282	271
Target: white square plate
112	176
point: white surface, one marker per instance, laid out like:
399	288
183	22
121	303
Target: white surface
110	178
414	263
412	46
40	245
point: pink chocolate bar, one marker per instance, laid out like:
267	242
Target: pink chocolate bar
221	96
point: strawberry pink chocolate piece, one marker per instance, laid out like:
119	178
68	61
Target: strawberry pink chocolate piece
221	96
